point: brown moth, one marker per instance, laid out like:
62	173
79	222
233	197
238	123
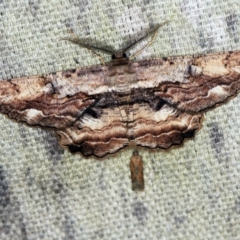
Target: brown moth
101	109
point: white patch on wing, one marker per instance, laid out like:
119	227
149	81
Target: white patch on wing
195	70
33	113
47	88
236	69
218	90
215	67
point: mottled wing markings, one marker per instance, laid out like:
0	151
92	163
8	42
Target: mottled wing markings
102	109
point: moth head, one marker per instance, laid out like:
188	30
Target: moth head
119	55
119	58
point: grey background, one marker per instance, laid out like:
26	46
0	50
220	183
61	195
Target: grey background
191	191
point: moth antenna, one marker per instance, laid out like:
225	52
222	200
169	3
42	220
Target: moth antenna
76	40
154	33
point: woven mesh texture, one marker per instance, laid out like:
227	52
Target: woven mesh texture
191	192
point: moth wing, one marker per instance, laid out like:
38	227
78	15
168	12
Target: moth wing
211	79
40	101
162	126
181	88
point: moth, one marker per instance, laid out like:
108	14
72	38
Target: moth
99	110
